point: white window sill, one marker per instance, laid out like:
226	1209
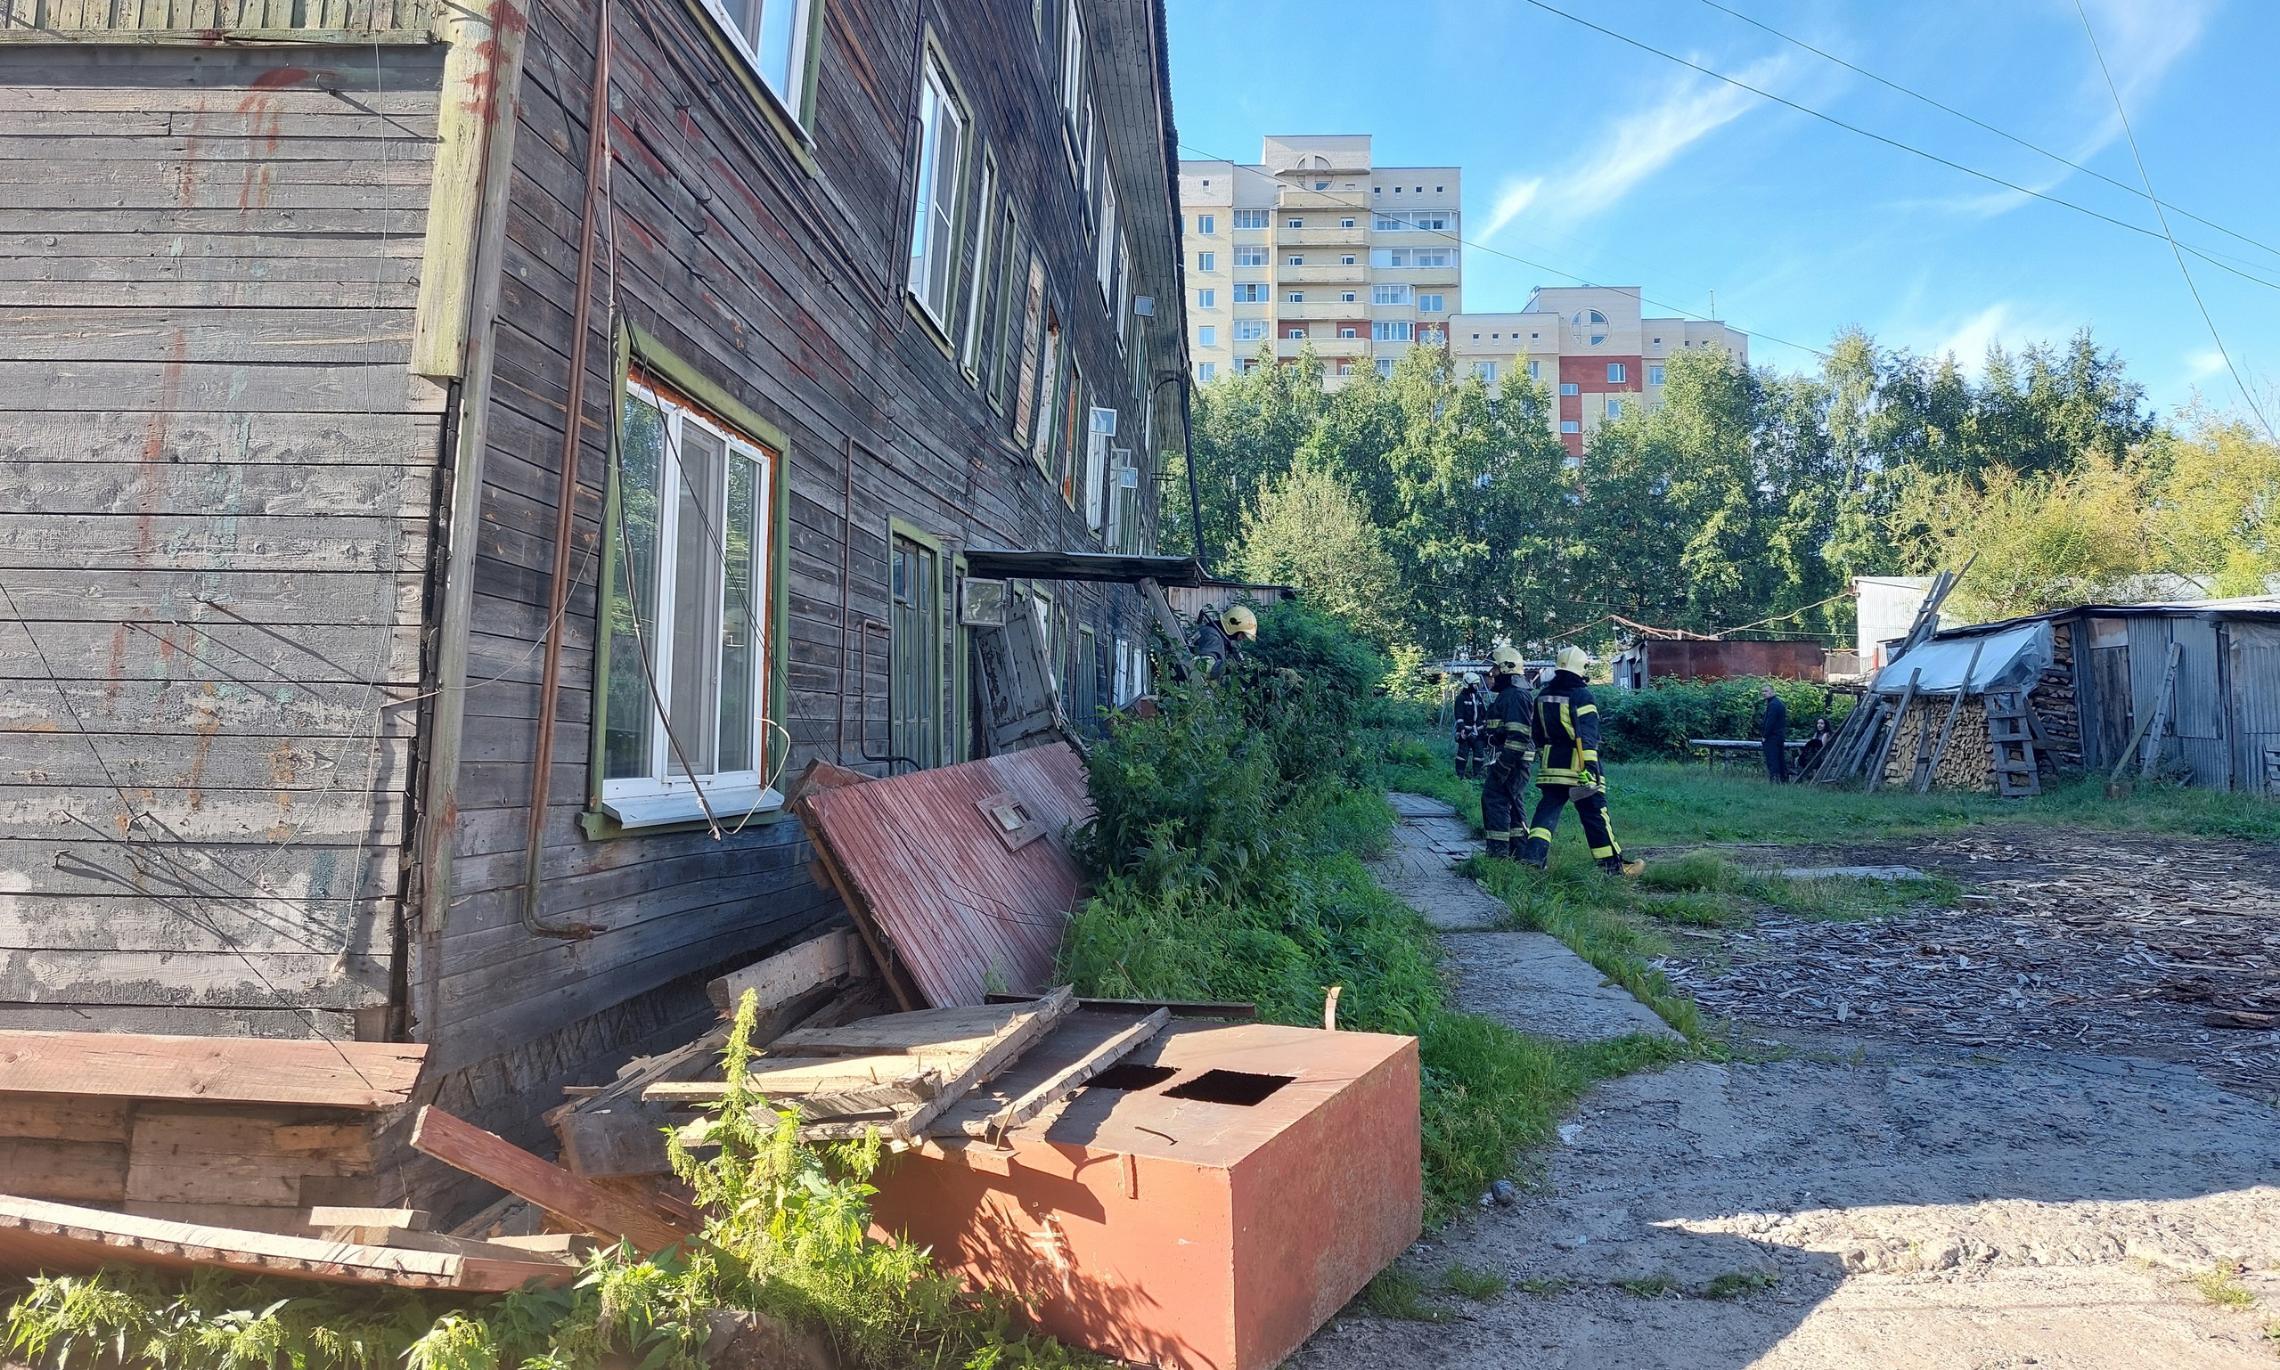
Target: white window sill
659	810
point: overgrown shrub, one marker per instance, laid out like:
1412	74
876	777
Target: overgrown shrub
1654	723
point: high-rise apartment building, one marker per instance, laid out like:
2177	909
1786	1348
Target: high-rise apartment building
1315	245
1590	346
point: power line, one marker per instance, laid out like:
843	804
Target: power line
1895	143
1979	123
2139	157
1209	156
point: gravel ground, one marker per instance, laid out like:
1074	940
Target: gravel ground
1879	1198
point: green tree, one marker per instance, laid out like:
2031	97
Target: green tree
1311	532
1248	426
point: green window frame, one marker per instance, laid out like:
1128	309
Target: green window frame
658	616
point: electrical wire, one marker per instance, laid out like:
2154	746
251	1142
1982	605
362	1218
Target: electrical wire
1983	125
2139	157
1891	142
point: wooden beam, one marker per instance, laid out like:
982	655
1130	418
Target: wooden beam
1178	1008
579	1202
783	977
474	149
366	1076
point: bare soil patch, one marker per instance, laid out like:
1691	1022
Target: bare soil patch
2067	940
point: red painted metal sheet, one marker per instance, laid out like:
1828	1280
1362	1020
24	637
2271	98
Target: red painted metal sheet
959	912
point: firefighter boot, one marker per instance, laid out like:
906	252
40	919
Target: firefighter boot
1625	866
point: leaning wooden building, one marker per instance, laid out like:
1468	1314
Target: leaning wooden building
458	461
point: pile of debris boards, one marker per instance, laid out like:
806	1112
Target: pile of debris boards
250	1155
1121	1169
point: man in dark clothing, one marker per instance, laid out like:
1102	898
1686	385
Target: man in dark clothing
1776	735
1471	712
1564	724
1504	789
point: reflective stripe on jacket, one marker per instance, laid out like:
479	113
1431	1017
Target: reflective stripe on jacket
1565	726
1508	720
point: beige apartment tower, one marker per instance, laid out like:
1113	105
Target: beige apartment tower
1315	245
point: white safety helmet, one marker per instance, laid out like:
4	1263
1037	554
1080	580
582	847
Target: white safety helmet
1573	660
1507	659
1472	677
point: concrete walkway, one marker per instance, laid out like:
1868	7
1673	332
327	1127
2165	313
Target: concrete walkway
1526	980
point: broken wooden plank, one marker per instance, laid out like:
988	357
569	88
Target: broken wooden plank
37	1237
337	1215
827	1088
1120	1042
1002	1052
836	955
1178	1008
323	1074
568	1197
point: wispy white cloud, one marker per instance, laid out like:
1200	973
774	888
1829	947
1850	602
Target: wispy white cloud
1633	148
2142	40
1511	204
1968	336
2202	364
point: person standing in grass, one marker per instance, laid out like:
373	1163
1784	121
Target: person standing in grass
1504	787
1776	734
1564	726
1471	712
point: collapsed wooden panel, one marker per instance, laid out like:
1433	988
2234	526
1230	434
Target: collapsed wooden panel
927	866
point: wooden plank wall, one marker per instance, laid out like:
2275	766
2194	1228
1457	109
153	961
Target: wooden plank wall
784	285
216	493
76	20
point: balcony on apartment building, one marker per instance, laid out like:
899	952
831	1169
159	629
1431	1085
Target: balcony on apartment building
1329	349
1356	238
1416	275
1323	311
1322	273
1354	198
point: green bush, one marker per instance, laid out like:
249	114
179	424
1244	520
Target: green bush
1654	723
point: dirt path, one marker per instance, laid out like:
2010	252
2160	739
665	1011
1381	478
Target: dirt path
1873	1202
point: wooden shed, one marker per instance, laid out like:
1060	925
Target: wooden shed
2193	688
458	459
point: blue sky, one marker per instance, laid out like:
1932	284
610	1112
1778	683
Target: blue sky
1618	166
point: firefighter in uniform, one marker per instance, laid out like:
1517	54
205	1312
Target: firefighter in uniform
1213	639
1471	711
1504	789
1565	728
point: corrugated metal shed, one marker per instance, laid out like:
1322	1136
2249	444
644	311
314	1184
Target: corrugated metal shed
2224	713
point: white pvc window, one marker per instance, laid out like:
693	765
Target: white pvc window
1389	294
1654	375
1391	330
1207	261
773	35
1207	336
934	212
687	617
1207	298
1618	372
1251	218
1250	330
1432	304
1250	256
1206	223
1486	371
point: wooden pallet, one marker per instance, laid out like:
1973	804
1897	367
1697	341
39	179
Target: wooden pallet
2011	738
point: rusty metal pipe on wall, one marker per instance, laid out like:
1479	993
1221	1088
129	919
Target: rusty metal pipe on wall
566	498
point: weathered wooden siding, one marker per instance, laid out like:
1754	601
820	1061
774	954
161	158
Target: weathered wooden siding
783	284
216	490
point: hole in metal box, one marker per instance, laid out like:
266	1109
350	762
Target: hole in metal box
1131	1077
1229	1087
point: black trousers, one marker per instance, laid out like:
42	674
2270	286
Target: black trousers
1590	810
1777	760
1503	798
1472	752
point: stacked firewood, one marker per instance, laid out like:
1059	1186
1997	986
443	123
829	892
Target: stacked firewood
1964	764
